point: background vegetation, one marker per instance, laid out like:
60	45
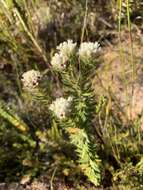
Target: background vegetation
36	149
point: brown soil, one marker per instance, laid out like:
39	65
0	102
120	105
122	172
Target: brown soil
115	75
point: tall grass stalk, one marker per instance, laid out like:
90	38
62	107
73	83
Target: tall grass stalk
39	49
122	58
132	53
84	21
29	17
5	9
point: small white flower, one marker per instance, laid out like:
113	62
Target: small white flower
59	61
37	185
67	48
61	107
88	49
30	79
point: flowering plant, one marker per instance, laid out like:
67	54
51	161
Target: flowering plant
74	114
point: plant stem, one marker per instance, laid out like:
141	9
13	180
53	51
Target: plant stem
132	54
31	37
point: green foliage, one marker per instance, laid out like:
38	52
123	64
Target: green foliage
88	159
13	119
131	176
95	137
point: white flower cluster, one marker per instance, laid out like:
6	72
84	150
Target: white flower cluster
38	186
87	50
30	79
59	61
61	107
66	49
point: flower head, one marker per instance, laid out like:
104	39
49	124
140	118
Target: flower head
67	48
88	49
59	61
30	79
37	185
61	107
